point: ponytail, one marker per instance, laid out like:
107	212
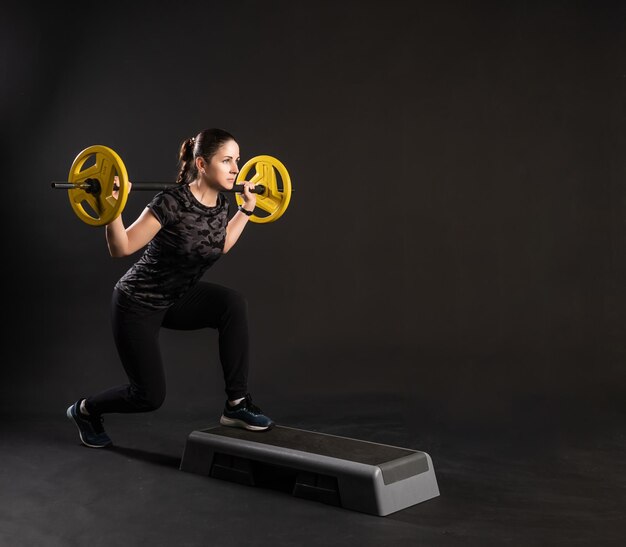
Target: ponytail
186	161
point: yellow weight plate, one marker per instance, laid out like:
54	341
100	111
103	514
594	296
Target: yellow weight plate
103	208
275	200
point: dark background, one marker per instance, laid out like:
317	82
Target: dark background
456	240
449	276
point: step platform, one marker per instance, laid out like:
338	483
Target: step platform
358	475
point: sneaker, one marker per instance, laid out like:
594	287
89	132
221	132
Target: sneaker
246	415
90	429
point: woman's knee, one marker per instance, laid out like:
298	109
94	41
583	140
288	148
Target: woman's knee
235	304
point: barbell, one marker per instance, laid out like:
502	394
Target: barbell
90	189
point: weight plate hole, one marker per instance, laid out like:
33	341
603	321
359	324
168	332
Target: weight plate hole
89	162
89	209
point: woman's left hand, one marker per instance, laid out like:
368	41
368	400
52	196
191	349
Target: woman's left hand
249	199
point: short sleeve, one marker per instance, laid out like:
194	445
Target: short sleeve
164	206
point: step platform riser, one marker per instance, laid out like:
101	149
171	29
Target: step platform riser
261	459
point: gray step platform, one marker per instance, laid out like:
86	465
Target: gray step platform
358	475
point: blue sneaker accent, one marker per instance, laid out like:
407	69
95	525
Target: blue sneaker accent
246	415
90	428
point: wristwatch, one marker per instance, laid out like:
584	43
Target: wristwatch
245	211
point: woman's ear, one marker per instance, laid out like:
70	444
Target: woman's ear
200	164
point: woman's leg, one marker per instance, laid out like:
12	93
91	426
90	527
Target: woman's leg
136	334
224	309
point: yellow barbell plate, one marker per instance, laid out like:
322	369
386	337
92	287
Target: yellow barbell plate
275	200
104	207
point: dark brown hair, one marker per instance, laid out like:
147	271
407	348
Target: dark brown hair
205	144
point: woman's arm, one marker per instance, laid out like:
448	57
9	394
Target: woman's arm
238	222
125	241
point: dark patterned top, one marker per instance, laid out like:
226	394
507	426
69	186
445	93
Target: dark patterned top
190	241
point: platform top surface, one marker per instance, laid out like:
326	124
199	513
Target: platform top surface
333	446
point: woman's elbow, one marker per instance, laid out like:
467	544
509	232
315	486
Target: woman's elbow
117	253
228	245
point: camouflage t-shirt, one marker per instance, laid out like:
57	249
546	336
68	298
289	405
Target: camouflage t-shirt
190	241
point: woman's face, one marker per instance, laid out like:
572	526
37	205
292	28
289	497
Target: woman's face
222	170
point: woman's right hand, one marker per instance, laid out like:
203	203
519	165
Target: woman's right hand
116	186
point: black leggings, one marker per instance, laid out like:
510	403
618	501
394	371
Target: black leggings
136	334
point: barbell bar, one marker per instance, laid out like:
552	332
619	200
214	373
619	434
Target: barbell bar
92	186
90	190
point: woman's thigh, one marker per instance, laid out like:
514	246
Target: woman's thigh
205	305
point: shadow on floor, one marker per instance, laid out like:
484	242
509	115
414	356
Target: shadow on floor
146	456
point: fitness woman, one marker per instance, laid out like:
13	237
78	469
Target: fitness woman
185	230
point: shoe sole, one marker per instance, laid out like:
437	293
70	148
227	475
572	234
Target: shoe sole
80	433
230	422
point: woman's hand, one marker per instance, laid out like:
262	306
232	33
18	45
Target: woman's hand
116	186
249	199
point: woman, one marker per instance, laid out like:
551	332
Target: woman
186	229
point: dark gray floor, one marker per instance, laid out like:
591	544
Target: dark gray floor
533	482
